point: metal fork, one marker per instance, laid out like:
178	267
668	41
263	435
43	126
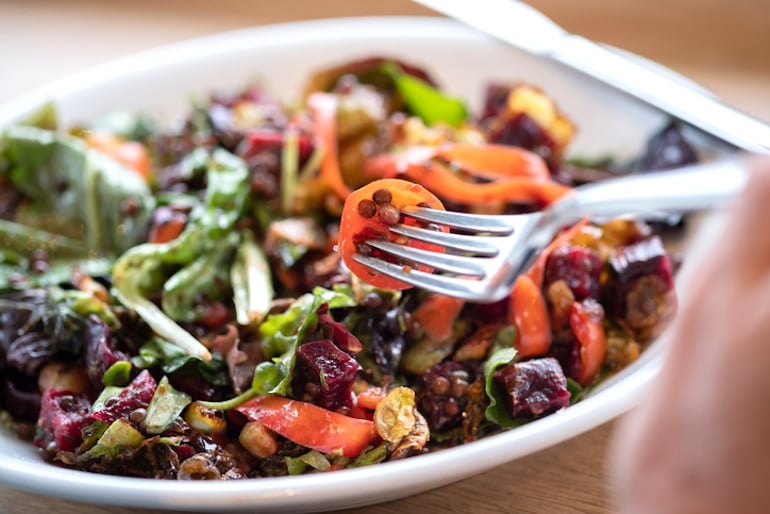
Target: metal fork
482	262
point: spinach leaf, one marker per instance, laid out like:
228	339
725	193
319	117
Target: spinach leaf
66	179
283	333
143	269
501	356
428	103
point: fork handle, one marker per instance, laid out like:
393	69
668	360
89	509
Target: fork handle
658	194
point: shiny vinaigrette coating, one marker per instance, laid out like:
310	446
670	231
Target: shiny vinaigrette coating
181	302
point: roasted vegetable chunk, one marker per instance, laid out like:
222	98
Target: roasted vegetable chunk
534	387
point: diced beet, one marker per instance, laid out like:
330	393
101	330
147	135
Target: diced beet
100	352
442	396
534	387
495	99
522	131
579	267
642	296
326	374
63	415
489	313
135	395
668	149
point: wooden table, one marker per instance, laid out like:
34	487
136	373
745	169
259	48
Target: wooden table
724	49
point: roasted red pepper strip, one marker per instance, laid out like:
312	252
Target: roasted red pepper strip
529	312
311	426
495	161
586	323
513	174
324	109
449	186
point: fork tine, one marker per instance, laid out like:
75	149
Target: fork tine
464	288
462	221
468	266
476	245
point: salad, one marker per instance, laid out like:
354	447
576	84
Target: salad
181	301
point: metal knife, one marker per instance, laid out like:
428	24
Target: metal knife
528	29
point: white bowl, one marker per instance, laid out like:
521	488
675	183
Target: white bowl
282	56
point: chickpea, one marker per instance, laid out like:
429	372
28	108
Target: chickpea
258	440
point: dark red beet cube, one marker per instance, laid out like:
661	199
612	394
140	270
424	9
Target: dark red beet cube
579	267
326	374
135	395
534	387
642	296
63	415
495	99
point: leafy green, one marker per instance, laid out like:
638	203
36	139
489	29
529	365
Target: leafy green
281	334
119	436
167	403
127	125
83	304
427	102
16	276
504	354
143	270
313	459
576	391
119	374
44	117
25	239
252	282
171	358
206	277
58	313
66	179
370	456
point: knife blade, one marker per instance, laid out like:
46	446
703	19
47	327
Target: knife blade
524	27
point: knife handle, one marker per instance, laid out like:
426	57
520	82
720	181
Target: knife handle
690	105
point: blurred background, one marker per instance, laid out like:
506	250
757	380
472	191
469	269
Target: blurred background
723	44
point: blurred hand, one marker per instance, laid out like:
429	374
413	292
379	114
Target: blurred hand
700	441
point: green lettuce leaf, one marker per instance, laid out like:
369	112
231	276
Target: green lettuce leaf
283	333
428	103
66	179
503	354
143	270
167	403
